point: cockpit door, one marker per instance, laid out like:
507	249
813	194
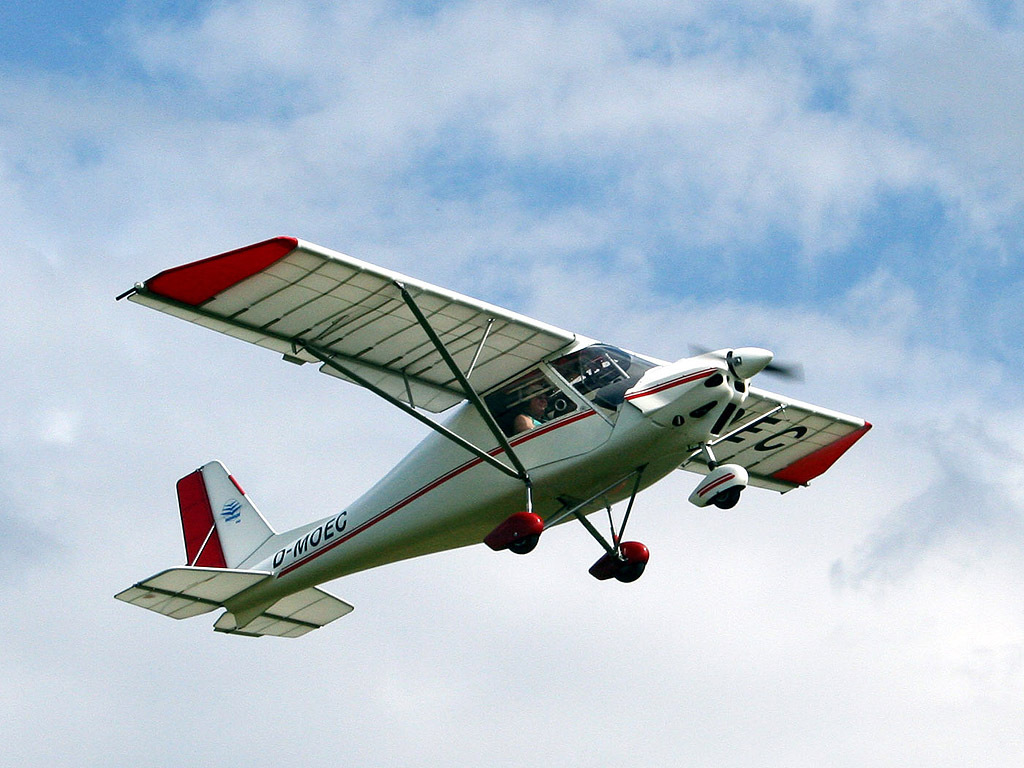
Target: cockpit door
545	419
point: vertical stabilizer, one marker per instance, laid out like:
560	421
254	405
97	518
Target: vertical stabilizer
222	526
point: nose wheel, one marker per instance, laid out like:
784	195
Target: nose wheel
625	565
624	561
727	499
721	486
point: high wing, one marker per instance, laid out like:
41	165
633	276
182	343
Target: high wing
781	442
311	304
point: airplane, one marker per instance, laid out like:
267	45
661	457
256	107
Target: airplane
546	426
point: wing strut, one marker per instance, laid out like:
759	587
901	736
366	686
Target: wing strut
479	349
517	471
470	393
333	359
705	448
327	359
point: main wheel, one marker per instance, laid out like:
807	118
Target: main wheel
519	532
524	545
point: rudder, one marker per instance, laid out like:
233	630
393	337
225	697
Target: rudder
221	525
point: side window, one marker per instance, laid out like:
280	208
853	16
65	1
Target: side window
527	402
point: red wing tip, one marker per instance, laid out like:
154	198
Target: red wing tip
803	470
201	280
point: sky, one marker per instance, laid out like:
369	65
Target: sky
841	182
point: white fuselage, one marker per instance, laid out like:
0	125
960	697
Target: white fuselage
441	497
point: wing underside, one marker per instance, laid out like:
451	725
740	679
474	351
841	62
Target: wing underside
781	442
293	297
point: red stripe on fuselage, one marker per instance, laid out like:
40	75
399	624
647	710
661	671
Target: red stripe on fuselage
675	383
518	440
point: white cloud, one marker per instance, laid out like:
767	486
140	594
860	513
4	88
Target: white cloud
717	148
726	144
261	119
60	427
972	509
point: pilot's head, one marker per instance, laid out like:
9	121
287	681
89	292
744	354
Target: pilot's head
537	402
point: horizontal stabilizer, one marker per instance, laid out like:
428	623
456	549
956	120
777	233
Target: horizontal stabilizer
291	616
186	591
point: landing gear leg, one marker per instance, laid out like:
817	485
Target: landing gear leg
622	560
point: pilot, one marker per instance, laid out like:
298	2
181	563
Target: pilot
533	414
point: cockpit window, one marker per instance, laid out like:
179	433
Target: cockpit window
602	373
528	402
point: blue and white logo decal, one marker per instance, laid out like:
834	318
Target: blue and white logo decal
232	511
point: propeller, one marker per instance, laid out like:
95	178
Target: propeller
786	370
746	362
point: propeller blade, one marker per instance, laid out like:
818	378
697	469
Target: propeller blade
792	371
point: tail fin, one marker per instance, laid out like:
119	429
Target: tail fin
222	527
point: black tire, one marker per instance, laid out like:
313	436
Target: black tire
630	572
524	545
727	499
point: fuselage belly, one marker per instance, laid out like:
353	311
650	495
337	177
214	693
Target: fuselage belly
440	497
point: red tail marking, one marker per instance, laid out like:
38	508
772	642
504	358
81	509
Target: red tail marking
202	280
235	483
197	523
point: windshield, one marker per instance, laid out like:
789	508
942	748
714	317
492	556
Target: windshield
602	373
